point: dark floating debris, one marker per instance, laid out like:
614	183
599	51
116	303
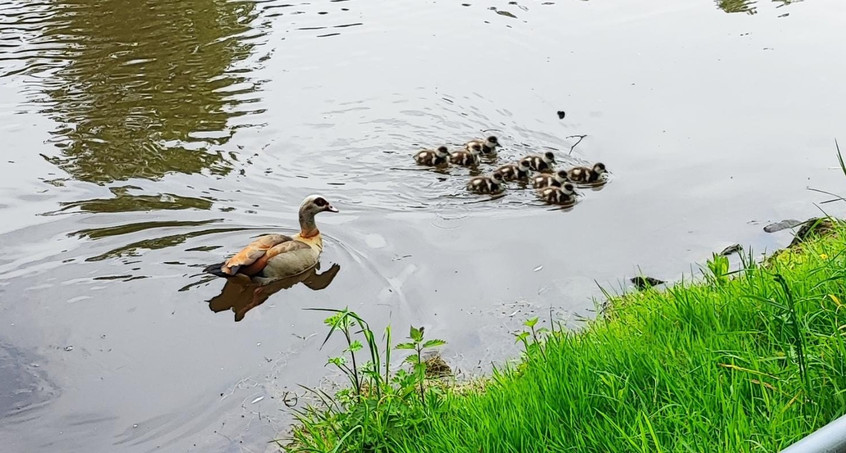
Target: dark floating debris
734	248
561	114
783	225
643	283
815	226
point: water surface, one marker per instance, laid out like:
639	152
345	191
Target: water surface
144	141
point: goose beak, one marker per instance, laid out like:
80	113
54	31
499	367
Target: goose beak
331	208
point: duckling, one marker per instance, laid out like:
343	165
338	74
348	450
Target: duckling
469	157
586	175
550	180
489	145
540	162
275	256
564	195
487	184
515	171
432	157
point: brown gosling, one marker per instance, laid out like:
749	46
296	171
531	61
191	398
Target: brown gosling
468	157
433	157
585	175
564	195
515	171
540	162
489	145
487	184
550	180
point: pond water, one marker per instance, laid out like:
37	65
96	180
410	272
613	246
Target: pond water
145	140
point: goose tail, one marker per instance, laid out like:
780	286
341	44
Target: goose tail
215	269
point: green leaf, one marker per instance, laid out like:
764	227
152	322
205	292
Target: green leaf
531	322
420	369
521	337
416	334
355	346
332	320
434	343
337	361
411	359
404	346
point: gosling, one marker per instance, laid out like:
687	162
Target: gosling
564	195
489	145
487	184
518	171
468	157
540	162
433	157
556	179
585	175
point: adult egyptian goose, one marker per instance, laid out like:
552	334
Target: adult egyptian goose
276	256
515	171
432	157
488	145
487	184
564	195
550	180
585	175
540	162
468	157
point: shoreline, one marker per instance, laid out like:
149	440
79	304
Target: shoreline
747	360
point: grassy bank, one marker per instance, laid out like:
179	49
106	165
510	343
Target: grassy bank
751	361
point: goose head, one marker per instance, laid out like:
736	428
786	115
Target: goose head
599	168
549	157
561	176
524	166
497	177
475	148
568	188
315	204
312	205
442	152
492	142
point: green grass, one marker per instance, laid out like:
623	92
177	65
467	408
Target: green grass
751	362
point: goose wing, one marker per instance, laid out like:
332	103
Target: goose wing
285	247
254	252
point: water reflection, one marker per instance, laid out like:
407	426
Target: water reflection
242	295
126	202
146	88
747	6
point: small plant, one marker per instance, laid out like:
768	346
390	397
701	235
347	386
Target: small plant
416	360
373	389
368	375
718	266
536	334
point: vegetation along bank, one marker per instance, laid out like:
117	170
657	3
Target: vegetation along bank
749	360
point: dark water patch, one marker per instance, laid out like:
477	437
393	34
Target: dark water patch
749	6
114	277
26	387
96	233
157	243
125	202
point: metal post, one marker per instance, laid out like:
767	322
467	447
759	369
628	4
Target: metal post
831	438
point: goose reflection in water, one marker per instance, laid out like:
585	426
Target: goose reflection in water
241	295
